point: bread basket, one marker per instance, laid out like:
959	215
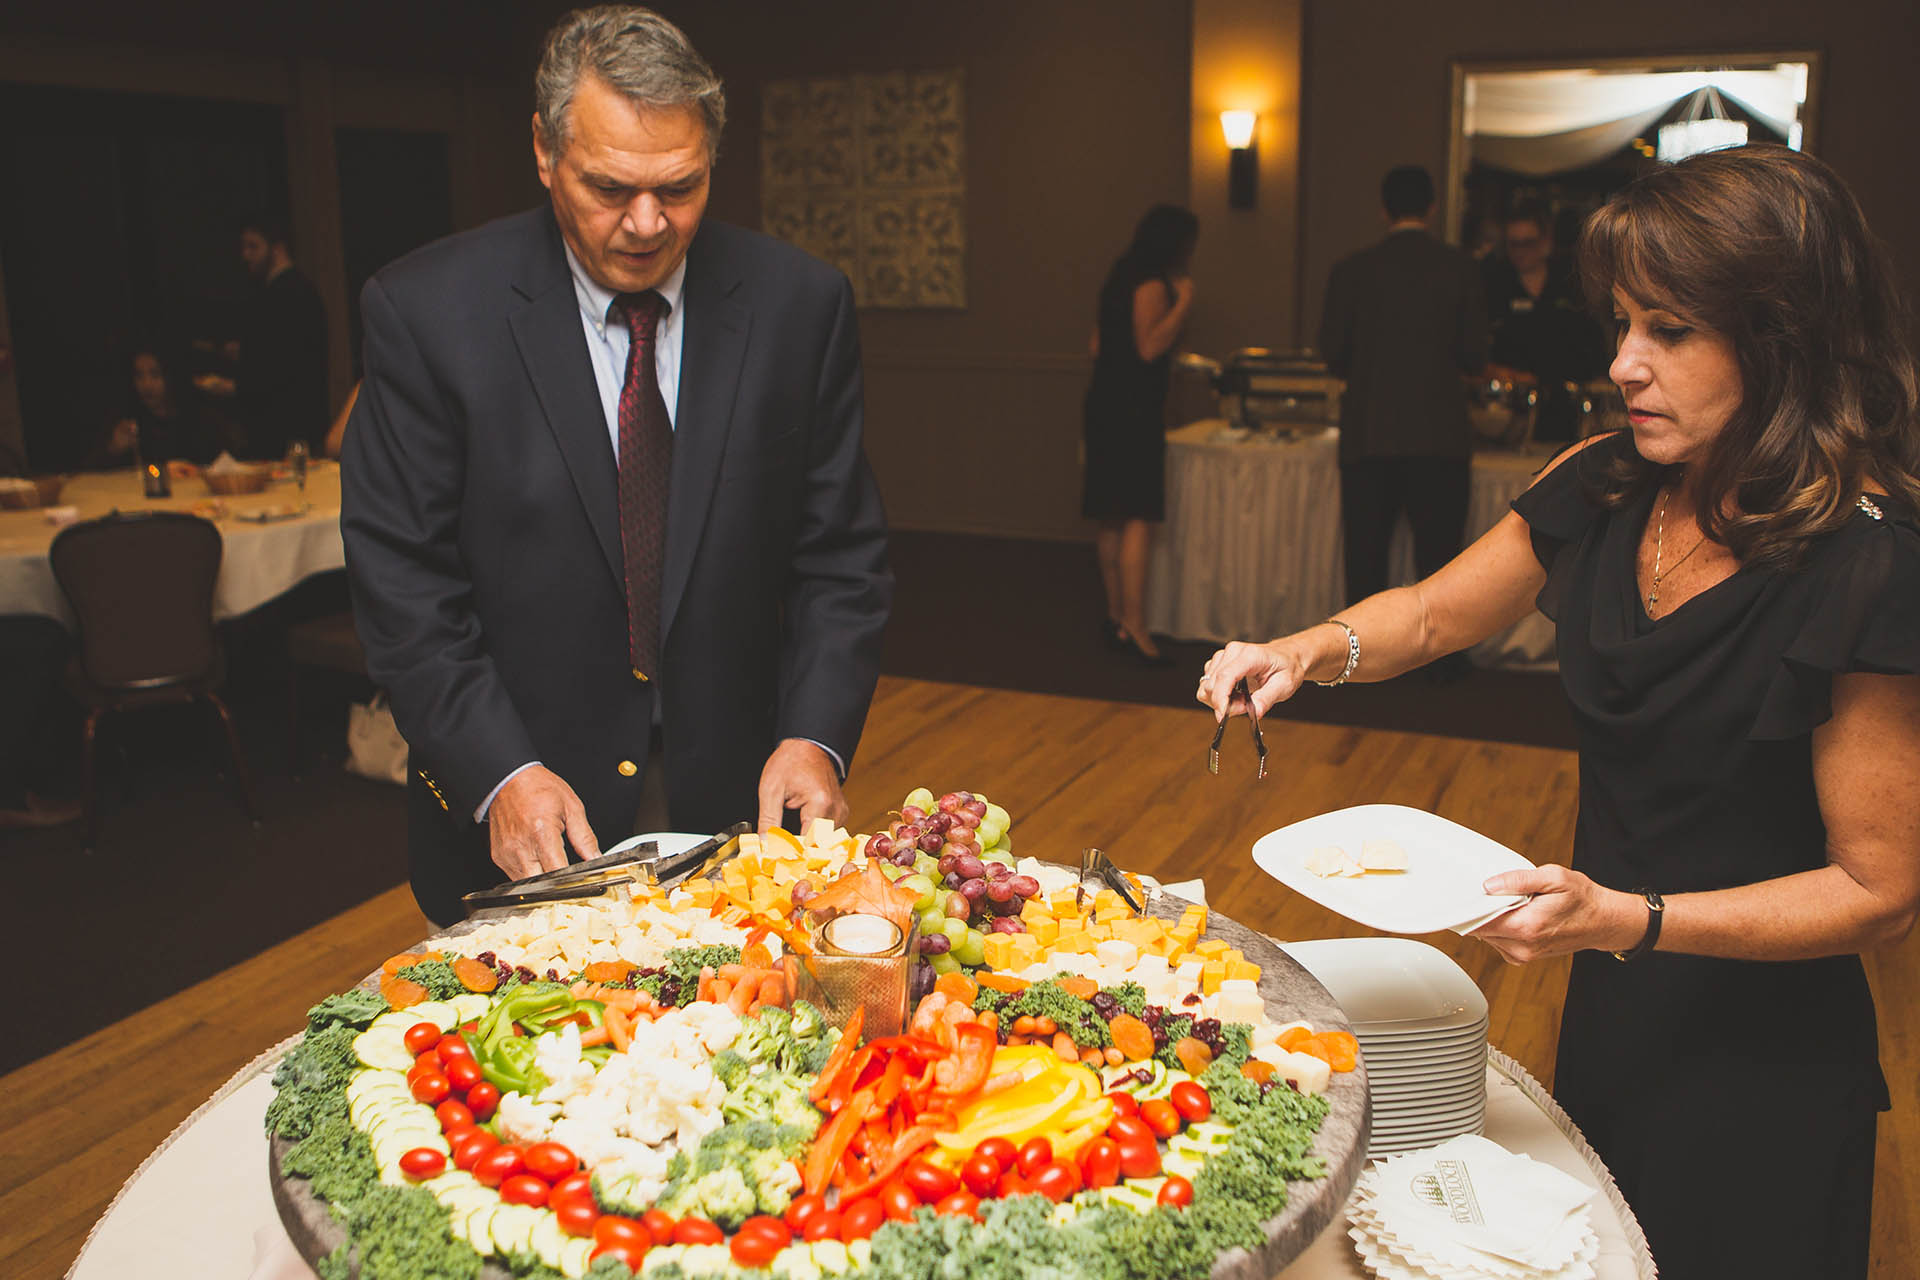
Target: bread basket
239	480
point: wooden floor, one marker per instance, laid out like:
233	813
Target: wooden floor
1130	779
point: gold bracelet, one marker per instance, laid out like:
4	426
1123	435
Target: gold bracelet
1353	656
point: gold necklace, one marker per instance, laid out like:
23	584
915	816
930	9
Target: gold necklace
1659	546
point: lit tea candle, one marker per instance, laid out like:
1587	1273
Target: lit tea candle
862	935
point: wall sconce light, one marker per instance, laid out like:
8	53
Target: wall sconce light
1243	157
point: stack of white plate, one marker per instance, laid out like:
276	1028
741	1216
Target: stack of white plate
1422	1027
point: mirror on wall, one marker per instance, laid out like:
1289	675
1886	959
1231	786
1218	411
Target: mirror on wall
1567	134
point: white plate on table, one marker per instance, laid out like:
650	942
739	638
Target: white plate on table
1446	864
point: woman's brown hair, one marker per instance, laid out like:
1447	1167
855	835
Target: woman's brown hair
1767	247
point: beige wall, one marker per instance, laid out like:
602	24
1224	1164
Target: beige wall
1076	123
1246	57
1377	94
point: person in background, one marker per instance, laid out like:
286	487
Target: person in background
1736	586
162	422
279	387
614	545
1403	321
1143	306
1542	329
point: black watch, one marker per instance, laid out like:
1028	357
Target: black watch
1656	907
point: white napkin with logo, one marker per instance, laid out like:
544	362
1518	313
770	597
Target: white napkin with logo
1476	1193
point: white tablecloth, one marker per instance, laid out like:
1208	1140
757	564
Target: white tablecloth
200	1209
259	560
1252	548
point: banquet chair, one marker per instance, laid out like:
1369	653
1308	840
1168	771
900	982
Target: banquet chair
141	588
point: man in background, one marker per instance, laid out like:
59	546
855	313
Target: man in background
615	548
1403	321
1542	330
279	387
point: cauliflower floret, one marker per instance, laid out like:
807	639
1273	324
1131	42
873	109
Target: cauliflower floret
521	1119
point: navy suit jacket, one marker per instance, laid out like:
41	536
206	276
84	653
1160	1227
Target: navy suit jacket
481	519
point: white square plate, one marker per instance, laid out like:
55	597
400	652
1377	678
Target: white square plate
1446	864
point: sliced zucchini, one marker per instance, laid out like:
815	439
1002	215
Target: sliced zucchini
477	1227
438	1012
576	1258
829	1255
548	1239
464	1200
383	1047
469	1006
374	1080
1164	1079
512	1228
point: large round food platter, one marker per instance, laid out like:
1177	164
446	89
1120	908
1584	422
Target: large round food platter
1201	1158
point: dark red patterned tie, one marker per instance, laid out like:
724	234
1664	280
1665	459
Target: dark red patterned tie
646	462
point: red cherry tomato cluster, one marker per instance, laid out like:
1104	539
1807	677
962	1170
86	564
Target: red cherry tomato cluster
445	1077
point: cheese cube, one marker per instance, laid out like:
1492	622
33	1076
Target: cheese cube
1045	930
1211	948
1072	940
1117	952
997	948
1212	974
1033	909
1024	950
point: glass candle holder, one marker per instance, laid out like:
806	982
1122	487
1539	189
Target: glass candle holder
861	962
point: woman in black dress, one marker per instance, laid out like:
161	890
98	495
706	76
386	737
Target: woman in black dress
1143	306
162	422
1736	583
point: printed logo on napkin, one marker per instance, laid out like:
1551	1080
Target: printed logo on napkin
1449	1187
1476	1193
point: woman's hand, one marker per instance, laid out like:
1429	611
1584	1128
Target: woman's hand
1273	671
125	435
1568	913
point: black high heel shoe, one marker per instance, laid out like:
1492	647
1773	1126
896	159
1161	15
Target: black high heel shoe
1116	639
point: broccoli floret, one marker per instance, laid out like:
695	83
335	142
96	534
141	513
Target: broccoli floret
722	1196
1131	997
808	1024
730	1068
756	1154
311	1081
436	976
1077	1017
764	1035
355	1008
774	1097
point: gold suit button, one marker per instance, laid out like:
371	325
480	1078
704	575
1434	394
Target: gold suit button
628	768
639	675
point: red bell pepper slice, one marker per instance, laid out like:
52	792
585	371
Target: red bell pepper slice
833	1140
904	1149
842	1055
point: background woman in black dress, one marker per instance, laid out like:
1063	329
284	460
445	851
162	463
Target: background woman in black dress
1736	583
1143	305
162	421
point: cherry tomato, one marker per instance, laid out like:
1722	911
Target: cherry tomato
824	1225
898	1200
423	1162
860	1219
1100	1163
961	1204
1124	1104
577	1217
453	1045
471	1146
1176	1191
1139	1156
431	1087
767	1224
659	1224
524	1188
1125	1127
981	1174
1012	1184
691	1230
928	1181
453	1114
1192	1101
615	1229
1035	1154
634	1255
573	1189
497	1165
803	1208
753	1248
1057	1180
551	1161
1159	1115
420	1037
482	1098
426	1064
998	1150
463	1074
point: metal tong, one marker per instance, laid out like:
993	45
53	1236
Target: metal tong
1220	731
644	863
1096	865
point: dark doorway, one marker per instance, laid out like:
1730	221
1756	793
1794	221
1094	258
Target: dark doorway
396	194
119	224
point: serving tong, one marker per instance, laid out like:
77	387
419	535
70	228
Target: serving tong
1220	732
593	878
1096	865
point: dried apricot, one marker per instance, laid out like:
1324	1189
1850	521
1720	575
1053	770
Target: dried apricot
1132	1037
1194	1055
402	993
475	976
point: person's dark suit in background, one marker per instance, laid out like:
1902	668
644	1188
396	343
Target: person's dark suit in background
280	386
488	494
1404	320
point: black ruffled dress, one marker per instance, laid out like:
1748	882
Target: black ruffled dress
1734	1101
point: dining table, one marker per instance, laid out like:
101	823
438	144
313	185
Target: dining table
271	540
1251	546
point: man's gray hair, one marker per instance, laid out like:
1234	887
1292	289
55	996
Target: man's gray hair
639	54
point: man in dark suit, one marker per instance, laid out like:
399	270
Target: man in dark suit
607	512
1403	320
281	384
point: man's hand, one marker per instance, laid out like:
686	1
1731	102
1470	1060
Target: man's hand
799	775
528	818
